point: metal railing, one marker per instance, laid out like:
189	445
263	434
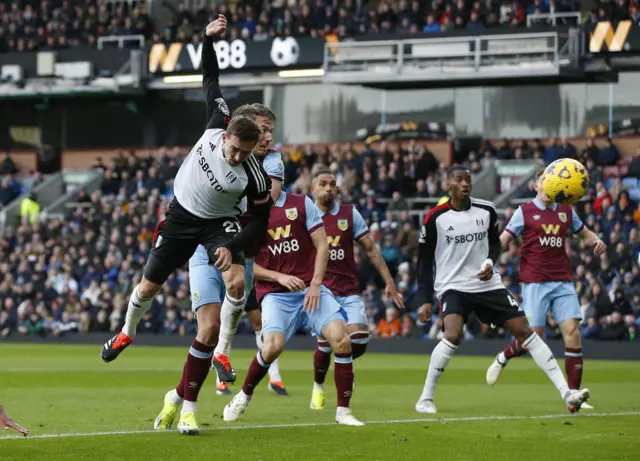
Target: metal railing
120	40
446	57
553	18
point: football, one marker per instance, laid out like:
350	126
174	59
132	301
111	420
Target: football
565	181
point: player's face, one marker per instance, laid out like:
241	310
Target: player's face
460	184
325	189
236	151
267	126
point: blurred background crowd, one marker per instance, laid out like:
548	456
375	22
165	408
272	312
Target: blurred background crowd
59	24
64	276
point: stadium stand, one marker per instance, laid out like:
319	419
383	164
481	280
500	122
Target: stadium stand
56	25
71	275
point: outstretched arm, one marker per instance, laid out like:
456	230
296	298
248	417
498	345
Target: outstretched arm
218	114
378	262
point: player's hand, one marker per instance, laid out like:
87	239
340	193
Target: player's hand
217	27
291	282
599	247
312	298
7	423
424	313
224	259
391	292
486	272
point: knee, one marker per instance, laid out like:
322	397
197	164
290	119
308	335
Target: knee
208	324
147	289
273	345
235	286
571	334
342	345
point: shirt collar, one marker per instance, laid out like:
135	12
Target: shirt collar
281	198
538	203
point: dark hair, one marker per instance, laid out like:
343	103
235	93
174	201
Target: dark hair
322	171
244	128
255	110
540	172
455	168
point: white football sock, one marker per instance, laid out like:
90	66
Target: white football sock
274	369
175	398
136	309
439	360
229	317
188	407
546	361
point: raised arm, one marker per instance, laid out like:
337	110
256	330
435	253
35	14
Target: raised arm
218	114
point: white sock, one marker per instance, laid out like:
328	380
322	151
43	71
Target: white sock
274	369
136	309
502	359
188	407
319	387
546	361
439	360
229	317
175	398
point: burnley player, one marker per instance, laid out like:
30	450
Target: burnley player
344	225
204	279
290	289
546	275
7	423
217	174
459	239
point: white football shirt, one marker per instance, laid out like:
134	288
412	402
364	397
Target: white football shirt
208	187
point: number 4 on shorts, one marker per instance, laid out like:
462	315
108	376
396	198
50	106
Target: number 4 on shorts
514	302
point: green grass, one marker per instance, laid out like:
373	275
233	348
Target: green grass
68	390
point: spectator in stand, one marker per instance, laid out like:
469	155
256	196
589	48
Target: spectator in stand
8	166
609	155
591	152
9	190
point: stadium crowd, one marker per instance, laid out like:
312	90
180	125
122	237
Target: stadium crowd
74	275
60	24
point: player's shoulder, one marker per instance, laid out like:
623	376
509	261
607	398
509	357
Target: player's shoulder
212	133
256	174
483	204
434	213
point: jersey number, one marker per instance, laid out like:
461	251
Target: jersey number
232	54
336	255
231	227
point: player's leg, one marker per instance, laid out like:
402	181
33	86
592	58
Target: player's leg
279	321
328	321
535	302
207	290
252	309
501	312
354	313
233	303
167	254
566	310
455	308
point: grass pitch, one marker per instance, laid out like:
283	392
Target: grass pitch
78	408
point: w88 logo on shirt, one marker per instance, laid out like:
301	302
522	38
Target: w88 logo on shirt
285	246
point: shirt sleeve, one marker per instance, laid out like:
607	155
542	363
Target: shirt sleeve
426	259
516	223
314	221
576	223
218	114
274	166
360	228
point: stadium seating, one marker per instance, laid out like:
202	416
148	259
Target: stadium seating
62	277
40	26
